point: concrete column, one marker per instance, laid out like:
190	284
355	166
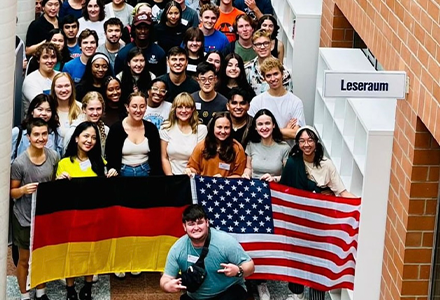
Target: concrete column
25	15
8	11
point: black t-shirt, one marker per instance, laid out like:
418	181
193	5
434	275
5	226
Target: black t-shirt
168	37
38	31
189	86
207	109
238	134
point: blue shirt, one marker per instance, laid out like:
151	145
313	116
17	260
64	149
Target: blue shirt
216	41
75	68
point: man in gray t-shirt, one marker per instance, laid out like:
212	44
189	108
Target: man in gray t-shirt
37	164
208	101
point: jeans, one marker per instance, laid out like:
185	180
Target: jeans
137	171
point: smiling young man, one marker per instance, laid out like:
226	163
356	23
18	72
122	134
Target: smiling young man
208	101
88	41
113	33
37	164
262	46
243	28
177	81
214	39
285	106
226	265
238	107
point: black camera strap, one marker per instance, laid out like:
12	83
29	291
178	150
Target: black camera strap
201	261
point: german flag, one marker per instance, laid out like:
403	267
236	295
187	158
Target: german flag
97	225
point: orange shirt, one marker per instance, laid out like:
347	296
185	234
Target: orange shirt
225	21
213	166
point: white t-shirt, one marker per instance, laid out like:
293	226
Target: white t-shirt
180	145
33	85
64	120
97	26
284	108
158	115
325	176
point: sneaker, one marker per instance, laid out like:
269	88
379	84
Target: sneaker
296	297
263	291
72	295
85	294
120	275
135	273
95	278
44	297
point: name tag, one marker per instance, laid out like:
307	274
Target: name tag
224	166
191	68
198	105
184	22
192	259
84	165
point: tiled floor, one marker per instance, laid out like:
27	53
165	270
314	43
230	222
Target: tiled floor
143	287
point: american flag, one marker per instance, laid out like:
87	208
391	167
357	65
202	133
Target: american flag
292	235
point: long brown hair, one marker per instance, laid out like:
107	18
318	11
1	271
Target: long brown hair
226	148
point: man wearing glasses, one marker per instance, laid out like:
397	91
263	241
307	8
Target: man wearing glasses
208	101
262	46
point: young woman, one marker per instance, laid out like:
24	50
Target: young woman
97	68
114	107
71	7
39	29
45	107
194	44
57	38
308	169
180	134
158	109
169	32
269	23
92	106
83	159
216	58
266	151
40	81
133	144
233	75
69	110
219	155
93	18
135	76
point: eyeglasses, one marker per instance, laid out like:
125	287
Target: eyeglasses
209	79
158	90
308	141
262	45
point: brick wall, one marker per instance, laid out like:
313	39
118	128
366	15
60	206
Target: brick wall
403	35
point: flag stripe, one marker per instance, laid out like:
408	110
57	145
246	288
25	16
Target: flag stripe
286	240
105	223
133	192
275	250
113	255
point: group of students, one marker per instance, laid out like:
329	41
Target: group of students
217	112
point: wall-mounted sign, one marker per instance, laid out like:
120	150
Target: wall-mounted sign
374	84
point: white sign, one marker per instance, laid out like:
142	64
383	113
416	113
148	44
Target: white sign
375	84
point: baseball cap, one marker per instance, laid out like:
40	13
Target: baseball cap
142	17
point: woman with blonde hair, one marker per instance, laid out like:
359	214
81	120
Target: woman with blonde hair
180	134
69	110
93	106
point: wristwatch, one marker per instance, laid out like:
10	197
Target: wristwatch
240	272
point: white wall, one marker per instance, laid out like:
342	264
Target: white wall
25	14
8	11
